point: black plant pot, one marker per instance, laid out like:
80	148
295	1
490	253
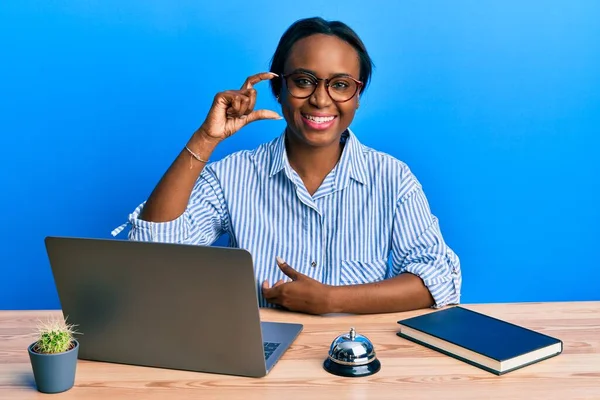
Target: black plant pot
54	373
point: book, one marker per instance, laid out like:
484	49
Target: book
488	343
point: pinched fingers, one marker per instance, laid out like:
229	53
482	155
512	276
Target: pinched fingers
245	100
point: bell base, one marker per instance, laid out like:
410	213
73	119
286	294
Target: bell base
352	371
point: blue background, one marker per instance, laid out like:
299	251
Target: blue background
495	106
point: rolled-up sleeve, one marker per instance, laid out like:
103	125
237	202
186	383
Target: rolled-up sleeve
204	220
419	248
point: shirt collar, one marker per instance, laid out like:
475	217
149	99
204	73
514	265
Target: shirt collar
278	155
352	164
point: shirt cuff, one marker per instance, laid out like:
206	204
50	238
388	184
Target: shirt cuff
445	293
444	288
175	231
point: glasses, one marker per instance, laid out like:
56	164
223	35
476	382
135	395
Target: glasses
302	85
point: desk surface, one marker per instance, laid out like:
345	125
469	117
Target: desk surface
409	371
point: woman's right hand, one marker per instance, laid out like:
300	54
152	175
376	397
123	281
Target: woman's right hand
233	109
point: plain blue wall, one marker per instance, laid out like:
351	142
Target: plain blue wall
495	105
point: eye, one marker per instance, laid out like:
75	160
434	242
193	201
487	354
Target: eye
303	81
341	84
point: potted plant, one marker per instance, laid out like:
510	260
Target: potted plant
53	356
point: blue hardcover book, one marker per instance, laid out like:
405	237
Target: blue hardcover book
480	340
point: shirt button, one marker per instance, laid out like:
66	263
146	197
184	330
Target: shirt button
313	264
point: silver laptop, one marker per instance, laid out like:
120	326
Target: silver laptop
166	305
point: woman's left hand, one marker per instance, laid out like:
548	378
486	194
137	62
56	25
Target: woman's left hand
302	294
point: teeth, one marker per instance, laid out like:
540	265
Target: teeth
319	120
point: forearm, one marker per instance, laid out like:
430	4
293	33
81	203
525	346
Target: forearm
401	293
170	197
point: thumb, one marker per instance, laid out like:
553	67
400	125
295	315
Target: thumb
286	269
262	114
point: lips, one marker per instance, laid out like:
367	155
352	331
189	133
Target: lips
318	122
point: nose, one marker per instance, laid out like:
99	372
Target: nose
320	97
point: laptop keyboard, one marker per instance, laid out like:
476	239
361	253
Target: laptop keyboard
270	347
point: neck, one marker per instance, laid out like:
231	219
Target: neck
312	162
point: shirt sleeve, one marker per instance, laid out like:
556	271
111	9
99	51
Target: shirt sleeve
419	248
204	220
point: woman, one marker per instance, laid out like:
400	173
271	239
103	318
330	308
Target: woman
320	212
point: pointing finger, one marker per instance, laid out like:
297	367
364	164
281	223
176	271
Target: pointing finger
254	79
289	271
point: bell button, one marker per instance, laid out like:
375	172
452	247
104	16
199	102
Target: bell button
352	355
313	264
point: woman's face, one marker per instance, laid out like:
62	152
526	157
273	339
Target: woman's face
318	120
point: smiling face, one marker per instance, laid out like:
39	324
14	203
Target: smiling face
318	120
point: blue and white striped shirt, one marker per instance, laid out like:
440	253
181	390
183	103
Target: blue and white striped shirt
369	210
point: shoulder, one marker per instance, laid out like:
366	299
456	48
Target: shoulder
380	161
385	170
382	164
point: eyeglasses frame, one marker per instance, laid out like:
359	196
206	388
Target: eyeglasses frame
326	81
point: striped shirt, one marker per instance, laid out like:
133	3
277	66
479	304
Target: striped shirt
368	221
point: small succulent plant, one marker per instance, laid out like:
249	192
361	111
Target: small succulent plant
54	336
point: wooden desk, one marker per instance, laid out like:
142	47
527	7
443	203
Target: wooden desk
409	371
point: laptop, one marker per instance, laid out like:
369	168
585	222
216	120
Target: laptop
166	305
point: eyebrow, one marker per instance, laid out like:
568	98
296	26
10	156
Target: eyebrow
313	73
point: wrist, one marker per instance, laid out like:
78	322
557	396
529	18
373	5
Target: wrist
201	136
202	144
332	299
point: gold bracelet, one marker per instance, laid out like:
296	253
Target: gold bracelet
196	156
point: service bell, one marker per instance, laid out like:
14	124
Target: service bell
352	355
